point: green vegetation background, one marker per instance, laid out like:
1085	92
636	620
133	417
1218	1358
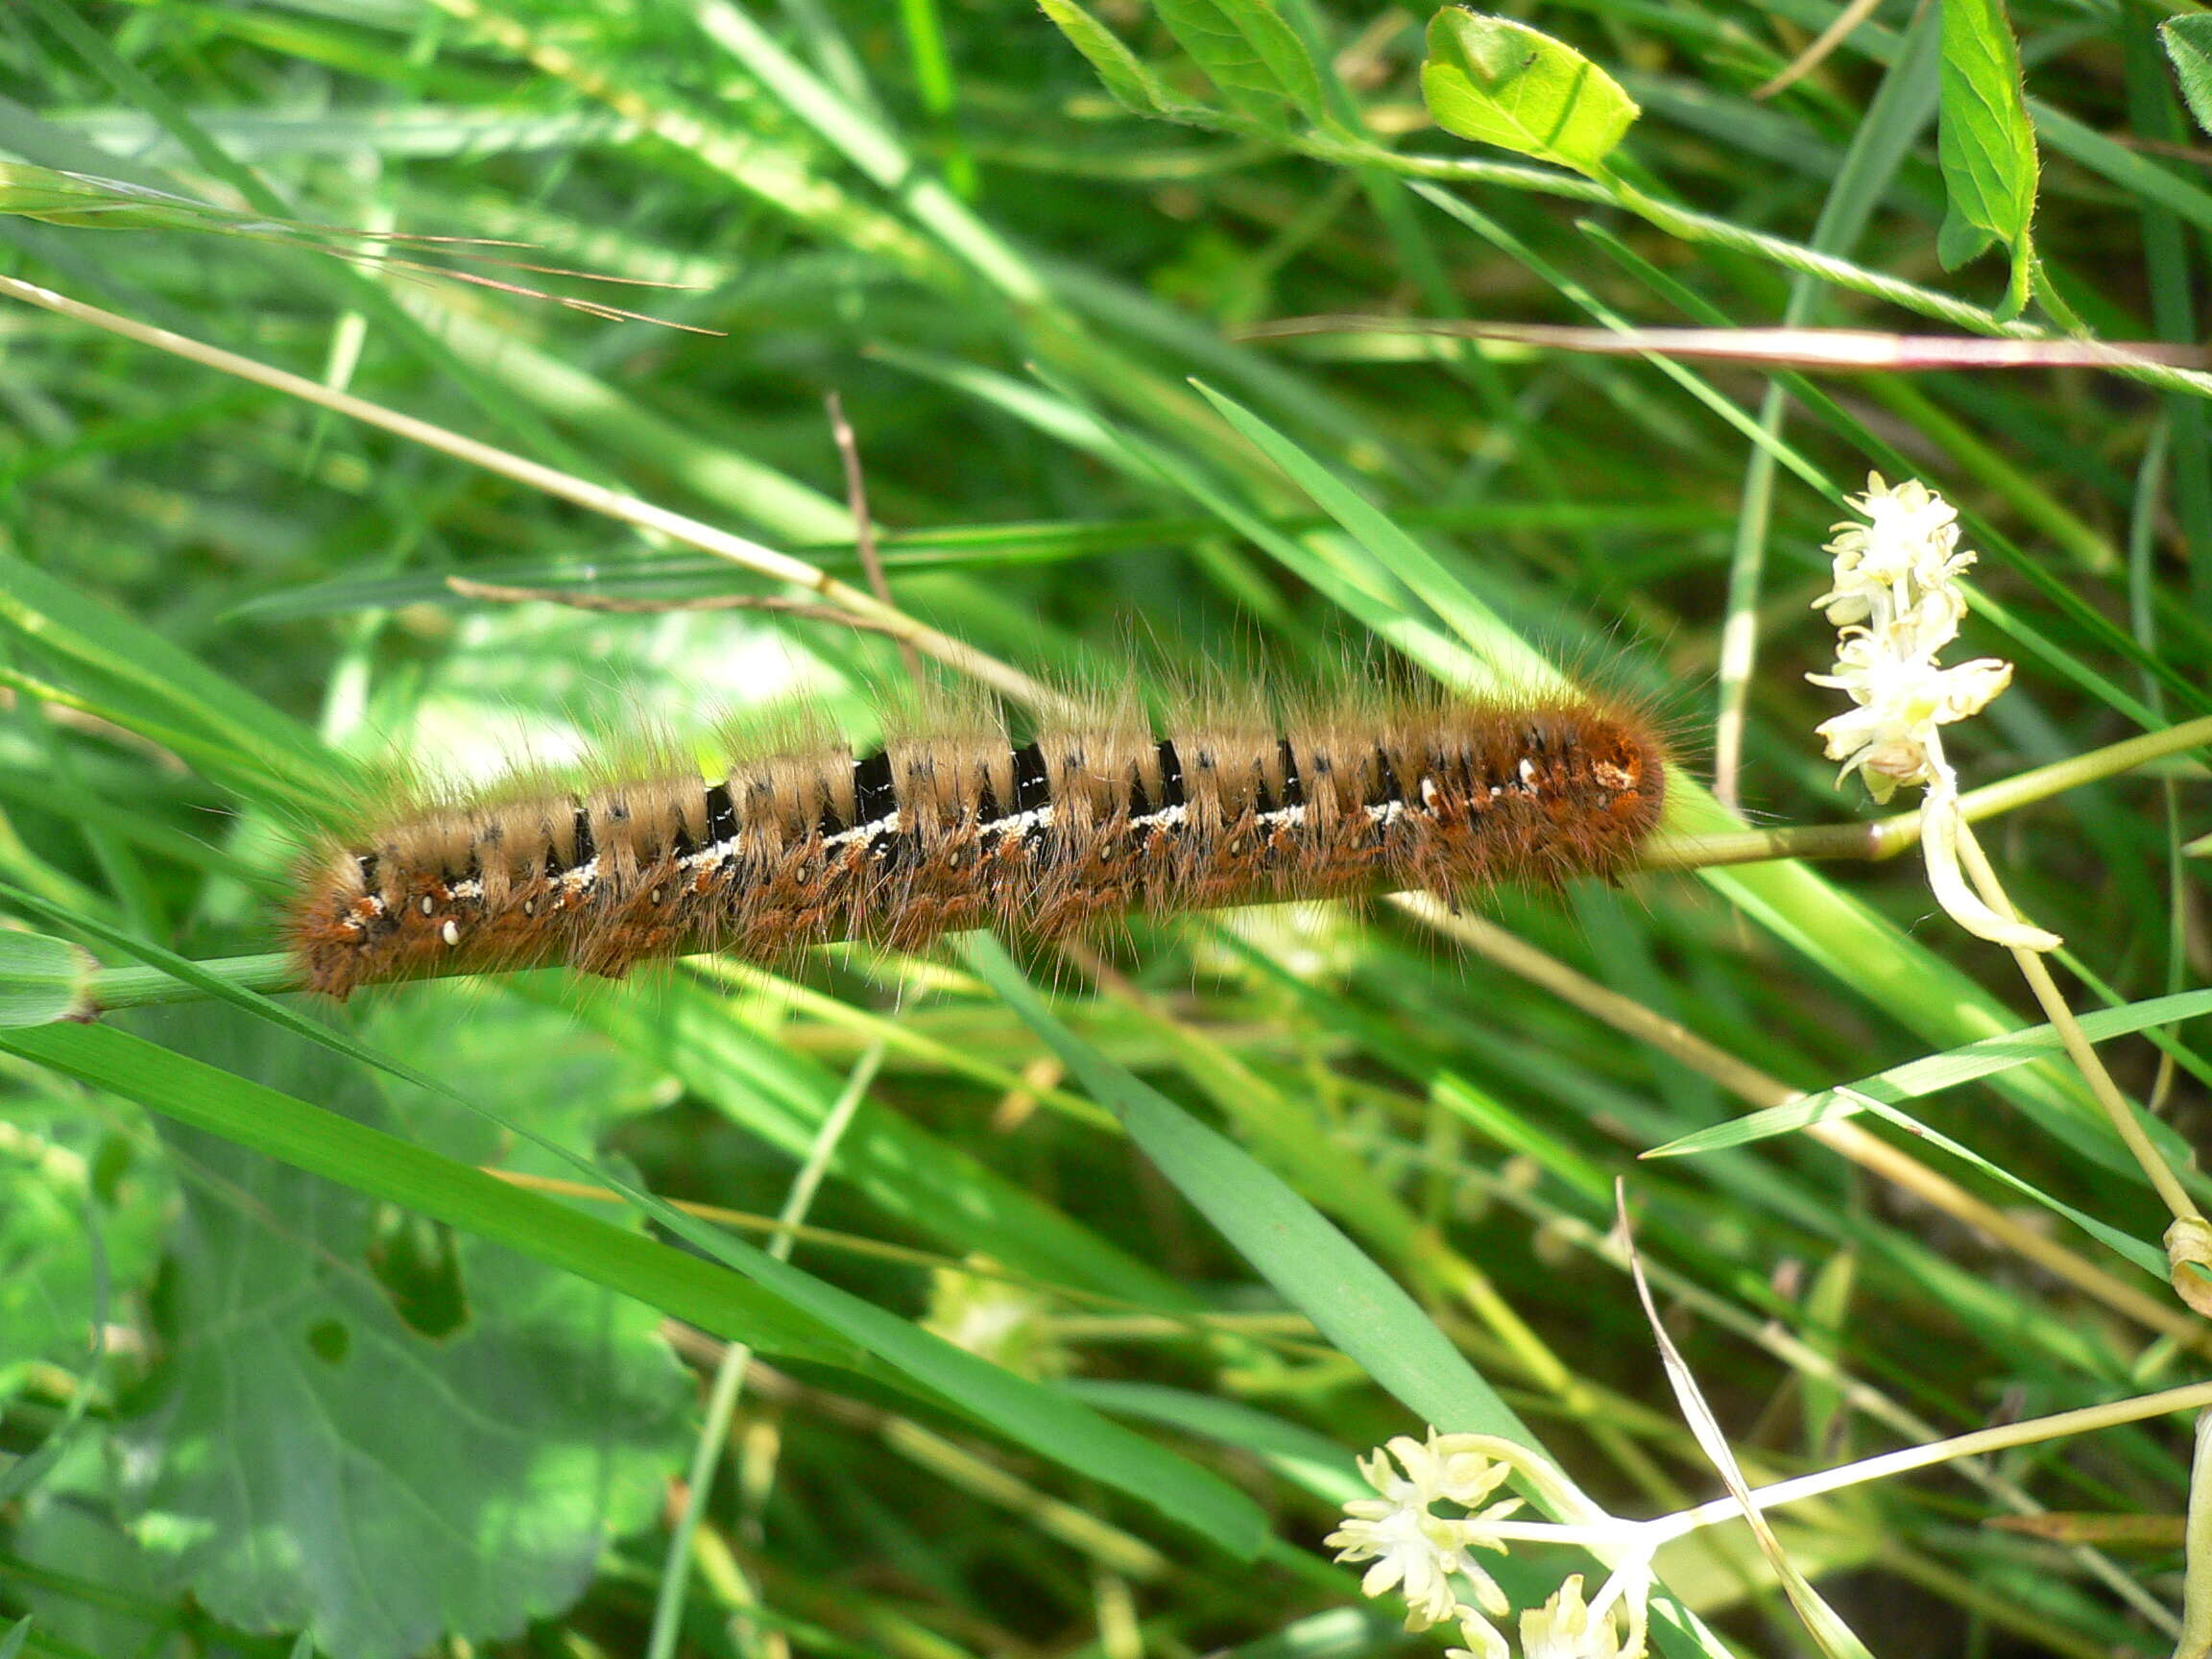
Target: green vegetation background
343	1385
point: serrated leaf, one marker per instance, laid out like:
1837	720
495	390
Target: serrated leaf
2188	42
321	1463
1249	52
1124	73
1502	82
1985	142
43	979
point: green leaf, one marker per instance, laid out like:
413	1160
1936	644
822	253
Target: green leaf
1293	1246
1936	1071
66	1248
1311	1461
43	979
1048	1421
85	202
98	1591
1249	52
126	672
759	1084
1985	142
383	1436
1125	75
2188	42
1394	551
1502	82
385	1166
2130	1249
880	1153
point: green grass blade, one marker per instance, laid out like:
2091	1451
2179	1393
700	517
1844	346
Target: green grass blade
459	1194
1318	1270
1985	1058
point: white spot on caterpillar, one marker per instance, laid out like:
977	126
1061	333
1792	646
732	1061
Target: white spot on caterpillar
707	857
1527	773
887	825
451	932
1611	775
427	905
1429	793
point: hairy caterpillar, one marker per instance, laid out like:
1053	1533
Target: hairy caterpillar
1096	816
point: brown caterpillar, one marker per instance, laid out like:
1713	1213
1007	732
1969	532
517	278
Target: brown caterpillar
1094	817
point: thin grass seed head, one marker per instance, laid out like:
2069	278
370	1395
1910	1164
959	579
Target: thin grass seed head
1895	602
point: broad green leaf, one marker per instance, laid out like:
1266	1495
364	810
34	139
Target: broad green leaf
1985	141
1249	52
43	979
2188	42
382	1439
1936	1071
1124	73
1502	82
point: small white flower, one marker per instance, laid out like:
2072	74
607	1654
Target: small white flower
1890	737
1910	539
1564	1628
1481	1636
1415	1549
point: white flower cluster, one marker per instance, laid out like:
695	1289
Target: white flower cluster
1895	603
1425	1554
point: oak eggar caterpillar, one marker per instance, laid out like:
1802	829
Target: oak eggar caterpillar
1098	814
